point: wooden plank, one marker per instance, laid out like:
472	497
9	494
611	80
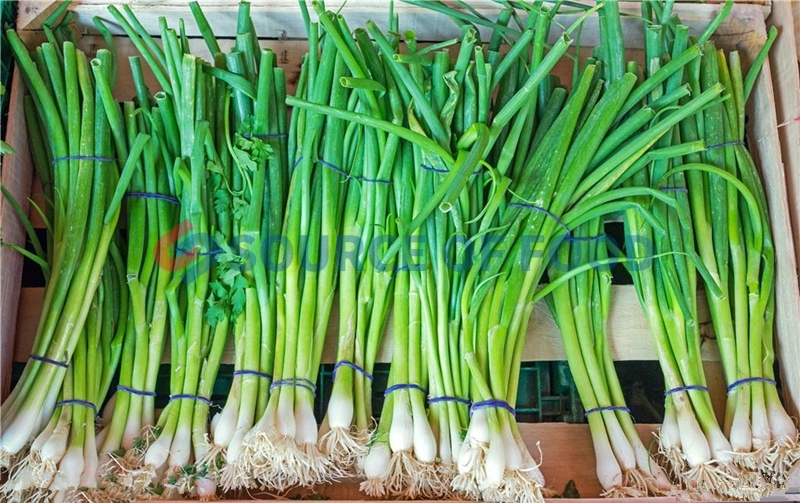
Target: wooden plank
784	65
16	178
629	334
796	16
280	18
31	14
545	441
765	146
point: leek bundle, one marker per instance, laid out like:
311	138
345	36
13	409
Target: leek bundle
85	142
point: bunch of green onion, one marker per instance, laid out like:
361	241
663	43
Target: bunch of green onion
733	238
80	142
367	227
440	182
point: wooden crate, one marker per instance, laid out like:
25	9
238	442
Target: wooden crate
280	23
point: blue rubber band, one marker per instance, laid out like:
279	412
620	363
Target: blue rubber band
749	380
439	399
485	404
191	397
48	360
297	162
83	158
82	403
541	210
432	169
445	171
610	408
333	168
696	387
153	195
133	391
256	373
373	180
354	366
675	189
723	145
297	382
400	387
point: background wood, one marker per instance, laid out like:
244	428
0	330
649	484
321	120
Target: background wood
16	172
629	335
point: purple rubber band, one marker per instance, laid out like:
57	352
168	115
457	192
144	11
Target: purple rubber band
153	195
696	387
723	145
610	408
82	403
373	180
354	366
256	373
190	397
48	360
400	387
675	189
439	399
444	171
749	380
333	168
541	210
485	404
202	254
83	158
137	392
297	382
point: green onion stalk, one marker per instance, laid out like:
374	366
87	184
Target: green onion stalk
190	106
62	460
281	451
461	97
197	338
666	265
249	196
580	306
151	212
88	189
368	224
401	457
734	240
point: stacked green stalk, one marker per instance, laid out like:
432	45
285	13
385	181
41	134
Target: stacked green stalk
367	228
249	196
151	218
75	121
691	439
188	108
281	450
734	240
62	461
581	306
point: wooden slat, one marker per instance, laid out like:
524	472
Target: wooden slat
566	454
765	147
629	334
16	178
784	65
280	18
